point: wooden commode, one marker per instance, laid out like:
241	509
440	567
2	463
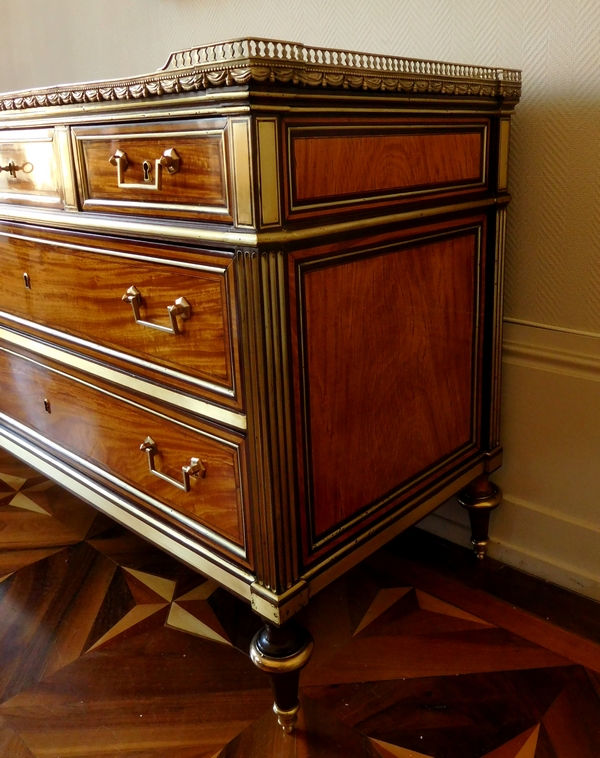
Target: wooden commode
251	307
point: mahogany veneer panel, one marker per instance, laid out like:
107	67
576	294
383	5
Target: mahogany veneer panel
105	430
353	162
81	293
389	343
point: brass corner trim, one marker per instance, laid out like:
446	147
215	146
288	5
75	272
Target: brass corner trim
277	608
242	61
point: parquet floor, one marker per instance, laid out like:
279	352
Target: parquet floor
110	649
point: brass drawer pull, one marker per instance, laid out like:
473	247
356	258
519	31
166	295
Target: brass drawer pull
195	467
12	168
180	308
169	159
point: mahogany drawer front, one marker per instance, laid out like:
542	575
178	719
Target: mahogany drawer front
79	291
333	167
31	172
166	169
106	430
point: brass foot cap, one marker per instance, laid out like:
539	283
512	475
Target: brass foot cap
480	548
287	719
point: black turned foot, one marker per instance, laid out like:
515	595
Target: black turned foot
480	498
282	652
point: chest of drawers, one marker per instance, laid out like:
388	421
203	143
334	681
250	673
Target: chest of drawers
251	305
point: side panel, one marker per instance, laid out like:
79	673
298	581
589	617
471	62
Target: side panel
389	371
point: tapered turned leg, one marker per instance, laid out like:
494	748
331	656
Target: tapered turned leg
480	498
282	652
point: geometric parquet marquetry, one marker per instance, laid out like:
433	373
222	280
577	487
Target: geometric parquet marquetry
110	648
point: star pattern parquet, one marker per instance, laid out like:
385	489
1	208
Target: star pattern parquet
110	648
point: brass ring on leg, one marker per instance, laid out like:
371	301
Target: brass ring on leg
280	665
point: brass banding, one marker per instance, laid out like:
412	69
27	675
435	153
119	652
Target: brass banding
280	665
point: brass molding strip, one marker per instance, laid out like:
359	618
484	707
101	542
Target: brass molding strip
336	564
242	170
503	154
365	223
278	608
179	400
483	105
268	164
250	239
177	544
65	160
96	222
22	197
210	268
161	370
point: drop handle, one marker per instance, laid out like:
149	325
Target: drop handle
180	308
169	160
195	468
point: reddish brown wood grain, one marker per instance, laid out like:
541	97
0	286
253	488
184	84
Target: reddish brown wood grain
388	344
81	293
347	164
108	432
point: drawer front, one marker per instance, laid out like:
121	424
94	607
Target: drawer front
172	169
107	431
30	168
342	166
79	290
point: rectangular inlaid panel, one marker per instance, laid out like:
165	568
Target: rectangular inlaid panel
389	346
332	166
108	431
34	174
80	292
199	185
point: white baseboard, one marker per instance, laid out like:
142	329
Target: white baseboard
549	522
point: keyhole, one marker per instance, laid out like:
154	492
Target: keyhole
147	167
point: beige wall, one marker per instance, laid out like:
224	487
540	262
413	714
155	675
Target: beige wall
551	521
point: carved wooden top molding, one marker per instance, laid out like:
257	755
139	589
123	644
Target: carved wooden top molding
277	62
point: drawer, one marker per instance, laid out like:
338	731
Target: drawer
167	169
105	431
335	167
176	318
31	167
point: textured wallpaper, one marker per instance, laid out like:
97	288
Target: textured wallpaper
553	257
